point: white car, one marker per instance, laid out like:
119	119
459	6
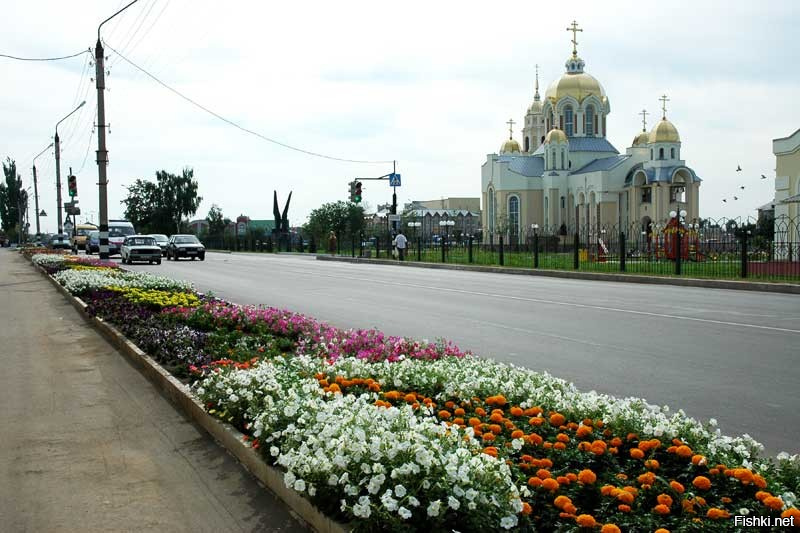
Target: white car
162	241
140	248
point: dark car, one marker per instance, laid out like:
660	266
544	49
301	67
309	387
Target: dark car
93	242
60	242
185	246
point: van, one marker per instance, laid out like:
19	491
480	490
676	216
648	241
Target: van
117	231
78	240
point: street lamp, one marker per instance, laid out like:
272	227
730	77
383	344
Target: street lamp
58	166
36	189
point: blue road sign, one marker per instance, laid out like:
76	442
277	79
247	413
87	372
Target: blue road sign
394	180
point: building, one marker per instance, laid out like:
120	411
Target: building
467	204
568	176
464	212
199	226
787	194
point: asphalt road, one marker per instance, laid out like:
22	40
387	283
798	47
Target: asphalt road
729	355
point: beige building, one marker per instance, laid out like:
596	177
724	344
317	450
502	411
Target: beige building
572	179
787	191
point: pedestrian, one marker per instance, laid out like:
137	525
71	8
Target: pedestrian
332	243
401	242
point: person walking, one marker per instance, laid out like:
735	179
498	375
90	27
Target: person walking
401	242
332	243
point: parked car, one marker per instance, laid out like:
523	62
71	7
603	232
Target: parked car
80	236
93	242
185	246
161	241
140	248
117	231
59	242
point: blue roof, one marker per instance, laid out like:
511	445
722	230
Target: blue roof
606	163
591	144
530	166
540	150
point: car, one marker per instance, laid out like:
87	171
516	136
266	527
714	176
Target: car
117	231
161	240
93	242
80	236
59	241
185	246
140	248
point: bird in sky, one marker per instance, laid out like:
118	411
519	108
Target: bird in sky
742	187
738	168
724	200
735	197
763	177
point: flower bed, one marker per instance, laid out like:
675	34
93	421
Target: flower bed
391	433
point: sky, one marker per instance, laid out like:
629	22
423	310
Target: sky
429	85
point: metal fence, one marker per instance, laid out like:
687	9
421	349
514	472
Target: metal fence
719	249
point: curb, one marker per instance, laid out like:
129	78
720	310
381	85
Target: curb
786	288
227	436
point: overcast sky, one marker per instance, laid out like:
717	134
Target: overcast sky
430	84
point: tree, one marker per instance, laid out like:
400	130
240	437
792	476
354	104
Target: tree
339	217
216	221
161	207
10	196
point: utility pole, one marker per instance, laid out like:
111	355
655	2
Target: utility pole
102	153
394	199
58	168
36	189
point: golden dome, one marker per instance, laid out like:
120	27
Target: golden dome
641	139
664	132
578	85
510	147
536	107
555	136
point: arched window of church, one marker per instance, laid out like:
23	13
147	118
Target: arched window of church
569	123
651	154
661	153
672	153
546	211
553	160
562	159
513	217
491	210
589	126
527	144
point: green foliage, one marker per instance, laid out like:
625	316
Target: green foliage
341	217
216	221
10	196
162	206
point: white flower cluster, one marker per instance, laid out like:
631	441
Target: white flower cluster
79	281
48	259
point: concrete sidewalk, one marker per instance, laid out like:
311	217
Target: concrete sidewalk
87	444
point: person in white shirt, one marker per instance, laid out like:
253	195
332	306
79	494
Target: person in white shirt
400	242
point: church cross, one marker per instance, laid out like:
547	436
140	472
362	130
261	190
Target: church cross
536	95
644	114
574	29
510	128
664	101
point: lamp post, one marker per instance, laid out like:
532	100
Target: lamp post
679	217
535	228
36	189
58	167
446	224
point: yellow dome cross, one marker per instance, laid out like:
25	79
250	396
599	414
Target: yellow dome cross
574	29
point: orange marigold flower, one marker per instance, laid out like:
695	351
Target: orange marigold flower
526	458
586	520
496	429
725	499
632	490
532	411
488	437
557	419
490	450
677	487
698	460
561	501
550	484
526	508
583	431
672	449
584	446
702	483
700	501
647	478
587	477
334	388
610	528
546	463
624	508
662	530
474	421
773	502
792	512
625	497
559	446
622	475
534	439
572	477
563	480
759	481
459	412
459	422
562	437
715	514
636	453
496	417
762	495
605	490
661	509
547	445
684	451
542	473
632	436
392	395
744	475
480	411
516	411
536	421
651	464
534	481
616	442
444	415
713	471
374	387
517	434
664	499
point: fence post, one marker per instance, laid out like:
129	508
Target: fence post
377	247
361	245
678	251
535	250
419	249
443	244
469	253
744	254
622	251
575	259
352	245
502	259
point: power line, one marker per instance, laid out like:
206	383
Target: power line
44	58
234	124
91	136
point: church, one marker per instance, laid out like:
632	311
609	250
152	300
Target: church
567	177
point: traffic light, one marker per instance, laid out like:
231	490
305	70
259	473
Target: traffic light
352	186
72	183
357	195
